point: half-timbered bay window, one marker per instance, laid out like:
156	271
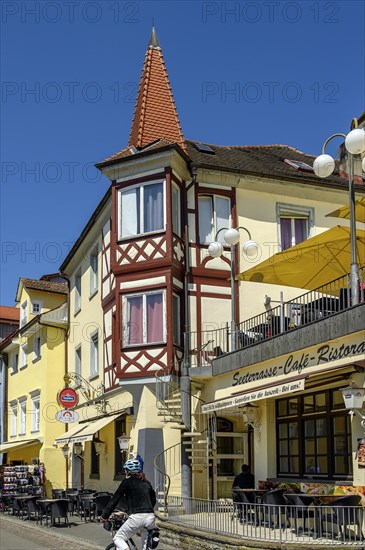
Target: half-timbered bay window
214	214
144	319
313	436
141	209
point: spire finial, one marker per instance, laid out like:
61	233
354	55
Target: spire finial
154	43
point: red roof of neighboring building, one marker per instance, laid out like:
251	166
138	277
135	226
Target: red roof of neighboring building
155	114
9	313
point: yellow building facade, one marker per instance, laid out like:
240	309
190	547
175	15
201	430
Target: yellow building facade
36	359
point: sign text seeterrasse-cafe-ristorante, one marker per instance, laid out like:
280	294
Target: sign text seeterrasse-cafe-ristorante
295	363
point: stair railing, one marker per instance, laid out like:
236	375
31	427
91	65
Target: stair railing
168	460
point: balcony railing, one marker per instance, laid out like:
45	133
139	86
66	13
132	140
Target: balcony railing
326	525
308	308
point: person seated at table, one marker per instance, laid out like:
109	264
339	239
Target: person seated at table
244	480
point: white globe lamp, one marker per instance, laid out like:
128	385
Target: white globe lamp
215	250
355	141
323	166
250	248
232	236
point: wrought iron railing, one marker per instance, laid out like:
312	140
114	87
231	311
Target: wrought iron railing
308	308
323	525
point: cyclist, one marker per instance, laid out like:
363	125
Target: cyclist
138	495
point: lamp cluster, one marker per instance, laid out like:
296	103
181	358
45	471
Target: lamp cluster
324	165
232	237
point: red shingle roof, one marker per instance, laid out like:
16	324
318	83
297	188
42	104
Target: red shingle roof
8	313
155	114
47	286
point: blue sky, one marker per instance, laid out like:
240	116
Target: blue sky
255	72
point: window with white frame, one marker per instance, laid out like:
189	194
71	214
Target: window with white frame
14	362
94	354
13	419
94	271
78	291
295	224
35	412
24	313
214	215
24	355
37	307
22	416
176	209
141	209
37	347
176	325
78	360
144	318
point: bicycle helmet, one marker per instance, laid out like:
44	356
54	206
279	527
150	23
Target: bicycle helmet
133	466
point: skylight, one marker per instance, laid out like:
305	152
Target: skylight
203	148
298	165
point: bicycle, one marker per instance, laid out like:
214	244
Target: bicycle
116	521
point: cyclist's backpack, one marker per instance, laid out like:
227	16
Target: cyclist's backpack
153	538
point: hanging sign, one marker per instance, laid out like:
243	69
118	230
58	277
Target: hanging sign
67	416
67	398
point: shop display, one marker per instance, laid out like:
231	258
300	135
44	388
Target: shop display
26	479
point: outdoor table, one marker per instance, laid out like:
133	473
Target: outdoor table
46	504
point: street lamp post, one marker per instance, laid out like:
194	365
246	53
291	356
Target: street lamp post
215	250
323	167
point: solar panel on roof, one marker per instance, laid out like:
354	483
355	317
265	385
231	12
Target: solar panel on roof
204	148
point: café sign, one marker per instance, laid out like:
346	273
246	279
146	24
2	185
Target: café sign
243	399
297	363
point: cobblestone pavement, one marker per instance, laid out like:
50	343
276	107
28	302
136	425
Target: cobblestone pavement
17	534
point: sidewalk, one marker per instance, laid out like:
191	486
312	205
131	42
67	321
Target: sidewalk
86	535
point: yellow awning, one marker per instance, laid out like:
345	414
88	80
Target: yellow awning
344	211
85	432
312	263
11	445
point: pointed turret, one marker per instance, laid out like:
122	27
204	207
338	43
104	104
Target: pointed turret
155	114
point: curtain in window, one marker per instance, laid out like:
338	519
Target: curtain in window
205	220
222	216
129	213
154	318
285	233
135	320
300	230
153	207
175	195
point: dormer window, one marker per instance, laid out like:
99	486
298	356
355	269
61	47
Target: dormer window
36	307
141	209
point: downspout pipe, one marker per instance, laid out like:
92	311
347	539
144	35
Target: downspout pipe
185	382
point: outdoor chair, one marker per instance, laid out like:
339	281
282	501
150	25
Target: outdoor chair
100	502
43	511
59	510
299	507
273	507
87	506
57	493
243	507
344	512
71	495
31	508
6	504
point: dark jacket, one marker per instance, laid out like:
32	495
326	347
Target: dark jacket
244	480
135	493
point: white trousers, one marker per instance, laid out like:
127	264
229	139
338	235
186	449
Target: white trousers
134	523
